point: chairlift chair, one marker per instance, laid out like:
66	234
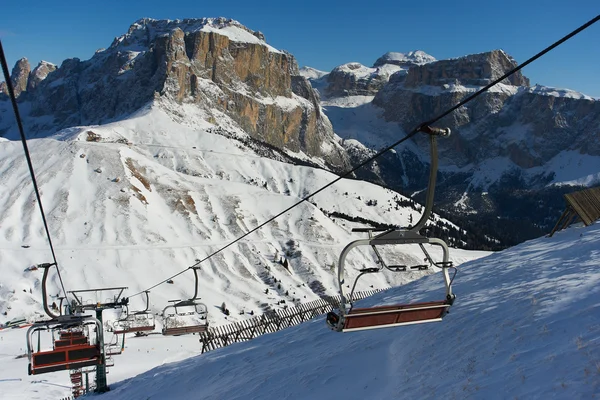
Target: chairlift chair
113	348
72	348
185	316
348	319
137	321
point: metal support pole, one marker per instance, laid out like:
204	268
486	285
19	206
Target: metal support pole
101	385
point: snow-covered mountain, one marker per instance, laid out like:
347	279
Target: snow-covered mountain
184	135
133	202
526	324
216	64
355	79
513	152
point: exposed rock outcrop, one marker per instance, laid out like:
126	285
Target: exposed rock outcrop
548	121
476	69
506	149
215	63
354	79
39	73
19	77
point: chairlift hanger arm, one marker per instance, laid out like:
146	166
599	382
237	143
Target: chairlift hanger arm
147	302
46	267
195	269
432	132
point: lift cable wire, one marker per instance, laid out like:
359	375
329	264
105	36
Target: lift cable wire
388	148
13	100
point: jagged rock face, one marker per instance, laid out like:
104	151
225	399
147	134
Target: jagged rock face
217	64
476	69
259	88
551	122
19	77
38	74
555	122
430	89
354	79
23	80
506	148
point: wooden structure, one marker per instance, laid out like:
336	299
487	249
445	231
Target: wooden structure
273	321
582	205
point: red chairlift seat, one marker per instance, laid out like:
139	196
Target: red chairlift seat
69	352
397	315
69	338
184	330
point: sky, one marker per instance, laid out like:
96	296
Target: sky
324	35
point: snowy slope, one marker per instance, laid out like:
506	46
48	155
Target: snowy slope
526	324
311	73
135	214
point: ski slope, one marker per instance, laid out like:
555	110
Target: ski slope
526	324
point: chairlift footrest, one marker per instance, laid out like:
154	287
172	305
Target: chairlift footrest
420	267
397	268
369	270
444	264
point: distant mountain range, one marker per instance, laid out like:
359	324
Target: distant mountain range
176	140
513	151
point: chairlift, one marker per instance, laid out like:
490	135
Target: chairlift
113	348
72	343
185	316
348	319
137	321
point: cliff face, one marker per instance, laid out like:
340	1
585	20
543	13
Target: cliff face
476	69
512	152
548	120
216	64
19	77
355	79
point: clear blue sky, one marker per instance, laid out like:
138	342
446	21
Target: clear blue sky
324	34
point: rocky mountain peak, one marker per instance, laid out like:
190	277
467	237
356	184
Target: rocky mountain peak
145	31
25	80
18	77
475	69
404	60
39	73
355	79
225	70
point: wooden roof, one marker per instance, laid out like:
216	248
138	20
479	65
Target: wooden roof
586	203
